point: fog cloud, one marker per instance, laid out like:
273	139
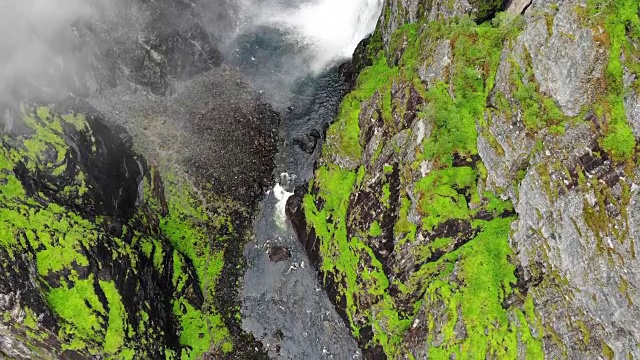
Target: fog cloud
38	46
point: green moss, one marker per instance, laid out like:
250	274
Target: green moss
199	331
454	127
533	347
91	313
344	134
454	111
79	306
79	121
114	339
386	195
485	279
538	111
403	226
607	352
424	251
375	229
30	319
48	136
181	227
472	280
59	258
337	254
619	17
158	256
147	247
441	195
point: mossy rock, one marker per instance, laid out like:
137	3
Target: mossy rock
486	10
102	255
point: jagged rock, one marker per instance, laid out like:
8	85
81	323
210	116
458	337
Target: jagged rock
566	59
632	104
436	66
518	6
542	148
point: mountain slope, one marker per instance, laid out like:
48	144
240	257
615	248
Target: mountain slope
128	182
477	193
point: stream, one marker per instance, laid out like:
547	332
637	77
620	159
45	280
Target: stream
291	52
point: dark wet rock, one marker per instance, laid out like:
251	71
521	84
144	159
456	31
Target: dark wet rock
283	302
308	142
295	214
279	253
95	174
287	295
107	198
172	44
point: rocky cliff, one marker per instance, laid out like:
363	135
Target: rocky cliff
128	181
477	195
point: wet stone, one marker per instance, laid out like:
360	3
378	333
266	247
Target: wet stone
308	142
279	253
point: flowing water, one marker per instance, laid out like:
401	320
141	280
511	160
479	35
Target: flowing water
290	51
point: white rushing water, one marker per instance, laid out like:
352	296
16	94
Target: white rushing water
281	196
331	29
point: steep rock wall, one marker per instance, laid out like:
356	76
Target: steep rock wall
477	193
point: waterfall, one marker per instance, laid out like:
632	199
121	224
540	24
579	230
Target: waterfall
325	32
330	28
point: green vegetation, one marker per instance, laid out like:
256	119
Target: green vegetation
183	227
344	135
335	187
487	275
472	280
114	339
80	307
538	112
620	19
200	331
61	244
375	229
439	195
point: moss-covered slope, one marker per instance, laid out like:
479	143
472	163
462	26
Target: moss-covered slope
104	254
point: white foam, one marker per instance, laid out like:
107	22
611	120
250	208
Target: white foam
282	196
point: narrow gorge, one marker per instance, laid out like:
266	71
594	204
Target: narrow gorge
319	179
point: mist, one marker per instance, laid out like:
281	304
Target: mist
40	49
329	30
55	48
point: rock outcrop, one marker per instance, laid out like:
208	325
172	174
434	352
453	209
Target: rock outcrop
477	193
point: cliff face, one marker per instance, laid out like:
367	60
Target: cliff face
478	192
125	203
